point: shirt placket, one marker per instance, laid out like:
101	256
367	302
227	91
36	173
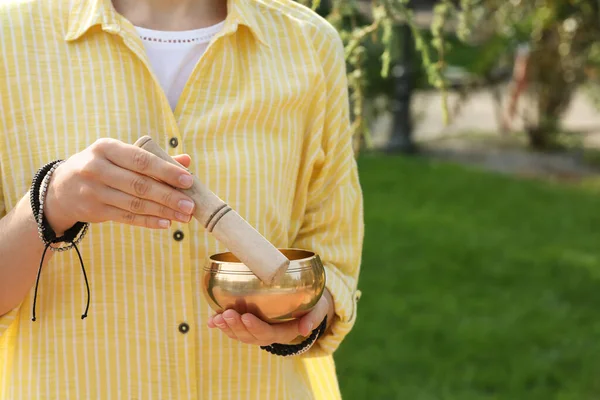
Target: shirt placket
182	321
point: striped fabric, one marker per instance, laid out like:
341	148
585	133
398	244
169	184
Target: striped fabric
264	118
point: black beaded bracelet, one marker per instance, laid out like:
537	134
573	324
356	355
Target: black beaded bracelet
288	350
71	237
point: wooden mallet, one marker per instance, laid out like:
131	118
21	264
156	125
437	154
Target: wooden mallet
234	232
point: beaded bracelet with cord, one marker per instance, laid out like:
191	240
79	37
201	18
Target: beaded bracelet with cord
71	236
289	350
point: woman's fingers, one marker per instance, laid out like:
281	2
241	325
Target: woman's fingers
183	159
266	334
147	188
220	323
249	329
135	159
234	323
138	205
126	217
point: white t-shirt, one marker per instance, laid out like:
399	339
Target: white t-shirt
174	54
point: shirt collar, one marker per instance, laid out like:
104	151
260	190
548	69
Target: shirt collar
85	14
244	12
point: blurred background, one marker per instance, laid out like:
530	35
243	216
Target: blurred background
478	142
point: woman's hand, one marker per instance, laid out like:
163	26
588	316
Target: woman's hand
248	329
115	181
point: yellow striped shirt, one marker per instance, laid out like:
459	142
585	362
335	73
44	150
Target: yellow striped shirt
265	119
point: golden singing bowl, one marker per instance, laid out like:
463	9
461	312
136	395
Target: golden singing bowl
229	284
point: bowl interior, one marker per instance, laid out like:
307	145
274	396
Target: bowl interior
291	254
299	260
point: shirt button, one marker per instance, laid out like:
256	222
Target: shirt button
174	142
184	328
178	235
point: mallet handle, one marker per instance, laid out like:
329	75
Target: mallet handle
235	233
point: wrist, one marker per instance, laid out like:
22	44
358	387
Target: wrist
331	309
287	350
57	218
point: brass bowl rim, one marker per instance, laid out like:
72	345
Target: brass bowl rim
244	272
241	268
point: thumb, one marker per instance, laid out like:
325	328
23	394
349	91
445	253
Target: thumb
183	159
311	320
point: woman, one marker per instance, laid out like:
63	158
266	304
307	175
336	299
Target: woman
250	96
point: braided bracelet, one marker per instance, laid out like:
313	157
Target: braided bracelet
71	236
288	350
39	186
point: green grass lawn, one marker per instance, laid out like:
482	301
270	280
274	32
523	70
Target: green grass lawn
475	286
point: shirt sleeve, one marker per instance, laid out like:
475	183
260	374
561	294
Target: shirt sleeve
332	223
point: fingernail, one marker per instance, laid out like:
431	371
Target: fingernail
186	180
164	223
246	322
310	326
182	217
186	206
